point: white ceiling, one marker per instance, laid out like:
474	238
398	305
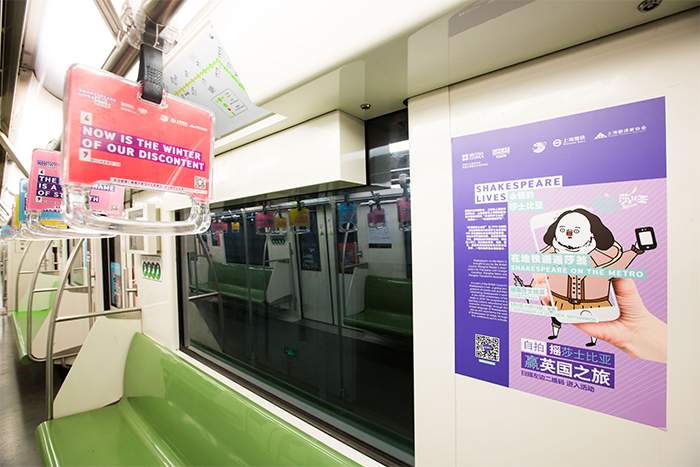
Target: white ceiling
276	45
435	55
302	58
58	35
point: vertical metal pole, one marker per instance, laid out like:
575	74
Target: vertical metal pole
19	270
30	302
190	270
219	298
88	275
3	277
292	287
339	281
5	281
196	272
123	264
250	334
52	328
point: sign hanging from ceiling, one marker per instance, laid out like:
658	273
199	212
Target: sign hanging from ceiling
112	135
45	191
48	217
201	72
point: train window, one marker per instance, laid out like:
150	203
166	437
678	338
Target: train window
320	320
311	306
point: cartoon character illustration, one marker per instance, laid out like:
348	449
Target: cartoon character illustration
579	231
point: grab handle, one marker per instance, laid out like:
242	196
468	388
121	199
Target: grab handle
78	215
36	227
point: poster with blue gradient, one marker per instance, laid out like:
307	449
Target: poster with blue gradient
560	264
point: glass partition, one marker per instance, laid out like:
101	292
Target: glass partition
310	301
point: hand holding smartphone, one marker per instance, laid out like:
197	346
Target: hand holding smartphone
570	293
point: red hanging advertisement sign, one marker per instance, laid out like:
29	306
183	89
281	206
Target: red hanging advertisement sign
112	135
44	192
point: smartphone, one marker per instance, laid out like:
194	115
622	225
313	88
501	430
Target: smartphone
539	225
646	239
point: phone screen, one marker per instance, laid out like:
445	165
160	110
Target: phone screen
645	238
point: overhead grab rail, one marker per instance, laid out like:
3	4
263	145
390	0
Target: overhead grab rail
38	230
53	318
31	216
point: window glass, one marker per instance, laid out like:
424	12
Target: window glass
311	301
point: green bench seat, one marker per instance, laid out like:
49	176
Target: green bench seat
388	307
232	281
19	317
173	414
19	321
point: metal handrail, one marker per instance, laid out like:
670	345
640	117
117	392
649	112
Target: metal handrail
87	276
210	260
120	311
202	296
19	272
53	319
52	327
29	271
33	290
54	289
30	302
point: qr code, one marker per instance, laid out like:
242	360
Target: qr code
487	348
200	182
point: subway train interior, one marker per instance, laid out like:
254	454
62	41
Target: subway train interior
317	233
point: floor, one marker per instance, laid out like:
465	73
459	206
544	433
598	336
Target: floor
22	402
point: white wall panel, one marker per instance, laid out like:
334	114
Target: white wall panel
325	150
497	426
96	378
433	301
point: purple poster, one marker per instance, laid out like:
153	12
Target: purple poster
560	259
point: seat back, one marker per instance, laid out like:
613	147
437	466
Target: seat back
207	423
389	294
259	277
235	274
231	274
